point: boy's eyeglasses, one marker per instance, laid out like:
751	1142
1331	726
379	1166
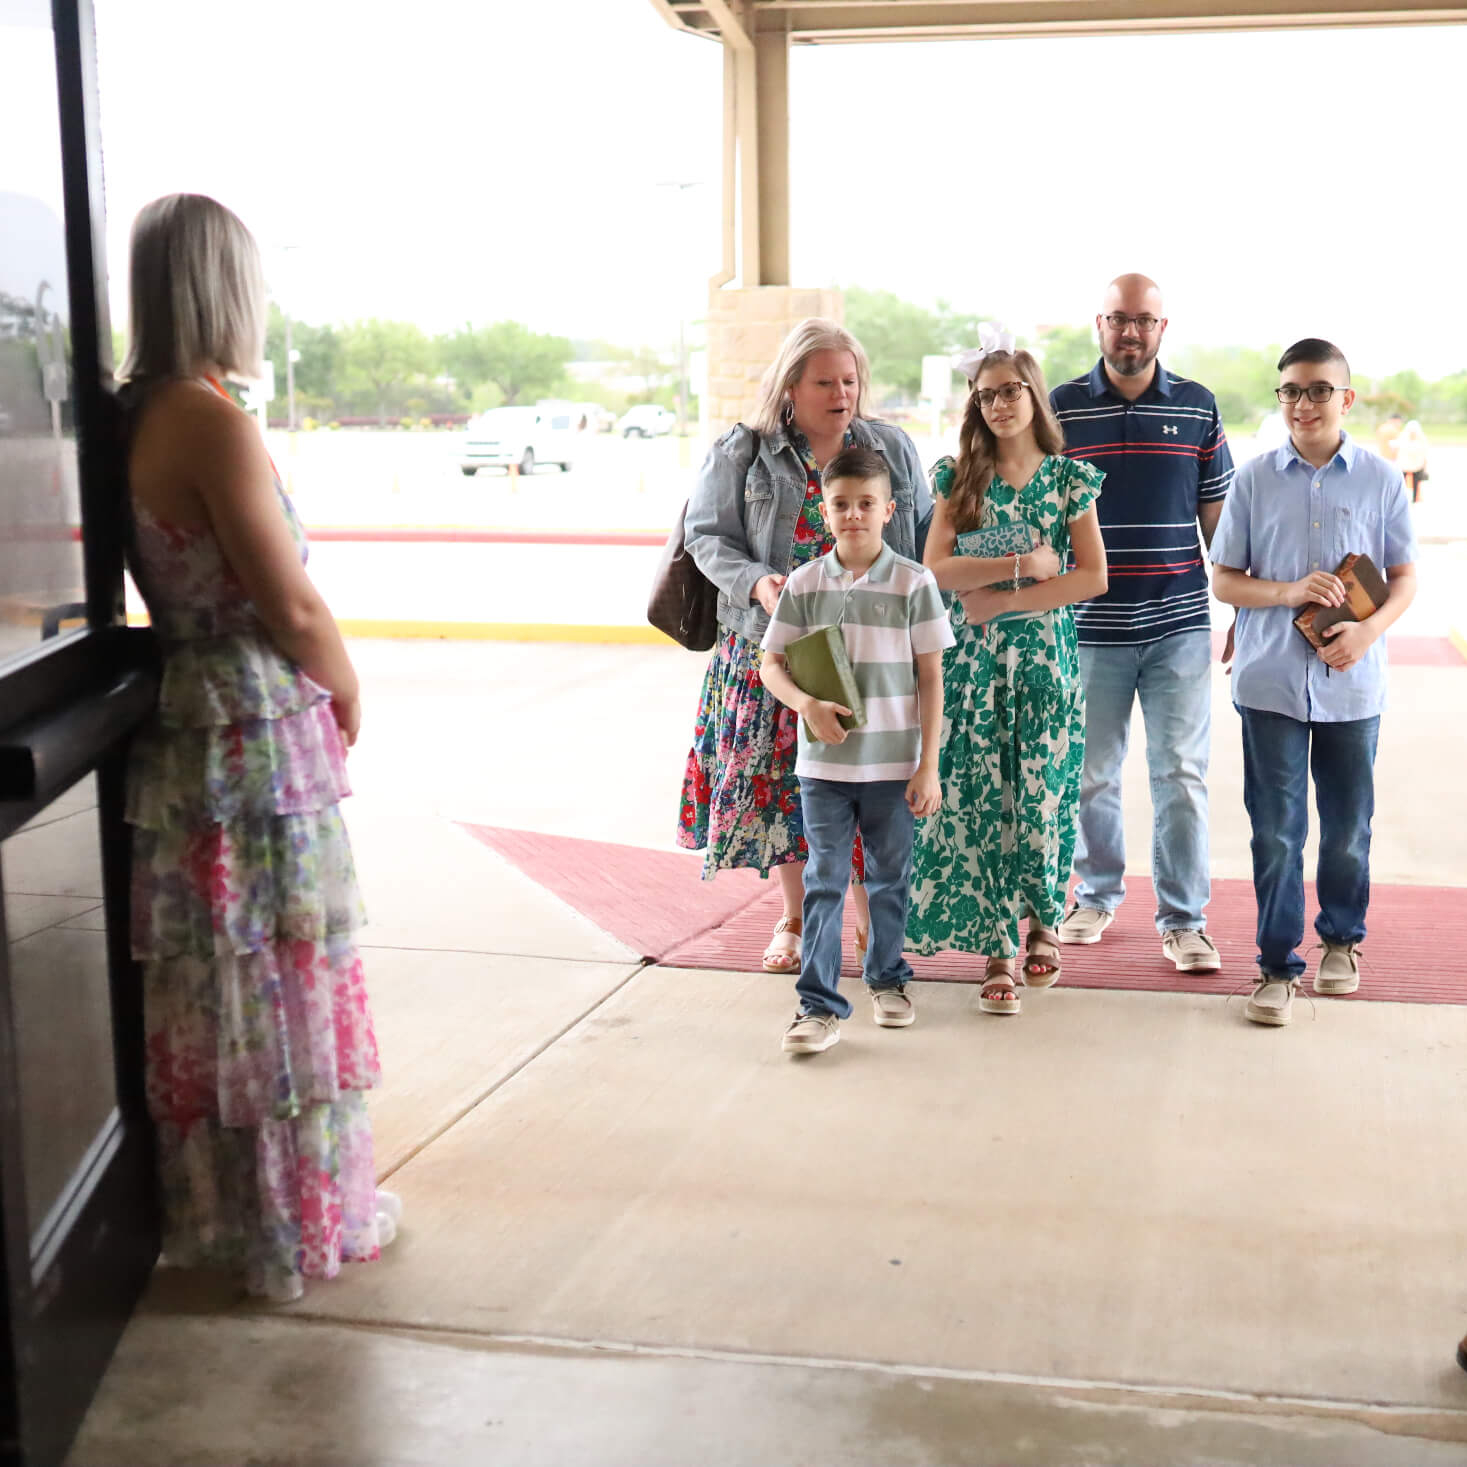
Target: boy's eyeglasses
1118	321
1009	392
1315	392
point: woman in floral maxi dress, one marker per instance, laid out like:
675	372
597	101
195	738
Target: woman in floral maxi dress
1001	847
754	516
244	901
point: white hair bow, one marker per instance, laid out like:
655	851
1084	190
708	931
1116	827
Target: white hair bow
992	337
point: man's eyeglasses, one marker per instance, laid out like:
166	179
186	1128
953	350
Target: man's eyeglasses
1118	321
1009	392
1315	392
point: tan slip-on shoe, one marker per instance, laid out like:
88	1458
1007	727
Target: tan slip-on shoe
1085	924
891	1008
1192	950
1272	1001
811	1034
1339	969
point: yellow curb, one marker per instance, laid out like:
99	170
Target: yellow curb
501	631
482	631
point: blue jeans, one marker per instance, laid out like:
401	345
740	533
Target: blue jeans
1279	754
834	809
1173	678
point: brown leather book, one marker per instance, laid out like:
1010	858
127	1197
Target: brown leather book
1365	592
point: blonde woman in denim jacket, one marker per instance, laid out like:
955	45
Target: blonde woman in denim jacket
753	517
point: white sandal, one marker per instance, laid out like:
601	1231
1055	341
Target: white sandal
778	958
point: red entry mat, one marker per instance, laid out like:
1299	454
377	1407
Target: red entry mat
657	903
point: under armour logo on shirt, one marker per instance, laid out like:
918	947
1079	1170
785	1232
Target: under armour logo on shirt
1167	428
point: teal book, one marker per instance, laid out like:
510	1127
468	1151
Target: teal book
994	542
821	667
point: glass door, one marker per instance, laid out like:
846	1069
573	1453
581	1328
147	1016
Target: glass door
78	1231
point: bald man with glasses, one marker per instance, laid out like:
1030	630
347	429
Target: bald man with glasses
1159	440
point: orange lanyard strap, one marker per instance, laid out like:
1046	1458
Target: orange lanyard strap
219	388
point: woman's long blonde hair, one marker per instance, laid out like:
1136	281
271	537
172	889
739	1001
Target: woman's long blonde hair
978	448
812	334
196	291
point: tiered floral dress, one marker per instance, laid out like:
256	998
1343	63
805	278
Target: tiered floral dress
741	796
244	905
1013	745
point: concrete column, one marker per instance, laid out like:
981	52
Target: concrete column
771	65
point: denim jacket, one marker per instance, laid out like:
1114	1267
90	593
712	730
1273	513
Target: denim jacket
740	522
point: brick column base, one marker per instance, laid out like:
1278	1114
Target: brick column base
745	329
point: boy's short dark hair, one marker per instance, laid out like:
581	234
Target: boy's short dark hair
1315	350
859	463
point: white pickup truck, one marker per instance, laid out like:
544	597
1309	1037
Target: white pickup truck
521	437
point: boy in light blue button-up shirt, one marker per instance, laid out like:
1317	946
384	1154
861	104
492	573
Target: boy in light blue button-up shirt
1293	515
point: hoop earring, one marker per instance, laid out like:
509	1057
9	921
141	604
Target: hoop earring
787	413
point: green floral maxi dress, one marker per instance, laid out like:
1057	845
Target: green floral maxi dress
1013	742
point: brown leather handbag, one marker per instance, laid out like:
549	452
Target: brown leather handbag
683	602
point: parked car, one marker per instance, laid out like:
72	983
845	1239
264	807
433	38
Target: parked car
646	420
596	418
521	436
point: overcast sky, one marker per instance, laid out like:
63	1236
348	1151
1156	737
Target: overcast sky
473	159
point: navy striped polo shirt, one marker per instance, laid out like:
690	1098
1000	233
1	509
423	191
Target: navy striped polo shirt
1163	456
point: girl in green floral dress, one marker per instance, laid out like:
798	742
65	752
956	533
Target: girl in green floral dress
1013	740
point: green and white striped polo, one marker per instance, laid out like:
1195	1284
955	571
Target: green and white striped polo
887	617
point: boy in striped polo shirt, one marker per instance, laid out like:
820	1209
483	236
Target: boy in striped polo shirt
877	778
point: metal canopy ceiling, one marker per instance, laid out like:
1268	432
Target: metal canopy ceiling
737	22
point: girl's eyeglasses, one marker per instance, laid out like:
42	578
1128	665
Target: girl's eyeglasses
1009	392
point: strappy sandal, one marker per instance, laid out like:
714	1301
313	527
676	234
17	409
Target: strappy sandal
1041	968
779	957
998	979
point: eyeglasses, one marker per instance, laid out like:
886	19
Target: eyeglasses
1118	321
1315	392
1010	392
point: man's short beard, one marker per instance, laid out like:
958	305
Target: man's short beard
1142	362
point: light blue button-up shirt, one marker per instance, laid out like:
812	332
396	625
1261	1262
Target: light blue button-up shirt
1282	520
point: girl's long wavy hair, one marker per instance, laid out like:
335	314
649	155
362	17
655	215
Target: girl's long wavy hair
978	448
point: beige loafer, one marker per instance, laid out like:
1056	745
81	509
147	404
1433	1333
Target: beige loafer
1272	1001
1339	969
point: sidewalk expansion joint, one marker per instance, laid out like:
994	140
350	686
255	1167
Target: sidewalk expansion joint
1385	1416
628	959
504	1079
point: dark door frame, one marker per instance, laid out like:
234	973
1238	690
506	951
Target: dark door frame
69	1285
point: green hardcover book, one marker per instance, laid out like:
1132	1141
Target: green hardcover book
821	666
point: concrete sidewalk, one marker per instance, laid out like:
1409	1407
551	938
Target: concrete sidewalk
1124	1228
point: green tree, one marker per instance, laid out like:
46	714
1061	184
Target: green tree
1408	390
521	363
896	335
378	356
319	370
1065	352
1450	398
659	373
1241	378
